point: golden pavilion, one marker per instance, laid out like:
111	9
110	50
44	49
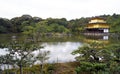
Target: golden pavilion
97	25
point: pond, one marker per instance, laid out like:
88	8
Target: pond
61	47
60	51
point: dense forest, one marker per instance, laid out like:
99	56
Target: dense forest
28	24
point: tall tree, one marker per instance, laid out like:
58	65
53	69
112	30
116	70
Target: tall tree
92	58
20	52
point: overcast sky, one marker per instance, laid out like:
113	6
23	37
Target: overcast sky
70	9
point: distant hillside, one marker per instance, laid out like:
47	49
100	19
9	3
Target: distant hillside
50	25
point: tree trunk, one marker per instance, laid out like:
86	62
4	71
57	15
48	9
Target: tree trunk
8	69
21	69
41	68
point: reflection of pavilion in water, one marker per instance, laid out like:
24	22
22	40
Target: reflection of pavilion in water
94	38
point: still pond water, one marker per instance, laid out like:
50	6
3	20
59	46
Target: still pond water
61	47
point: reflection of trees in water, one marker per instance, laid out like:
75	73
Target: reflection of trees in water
115	38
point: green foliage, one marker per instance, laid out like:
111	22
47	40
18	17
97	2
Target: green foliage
90	67
2	29
5	25
20	22
41	27
58	28
20	53
28	30
115	49
17	24
91	52
94	60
